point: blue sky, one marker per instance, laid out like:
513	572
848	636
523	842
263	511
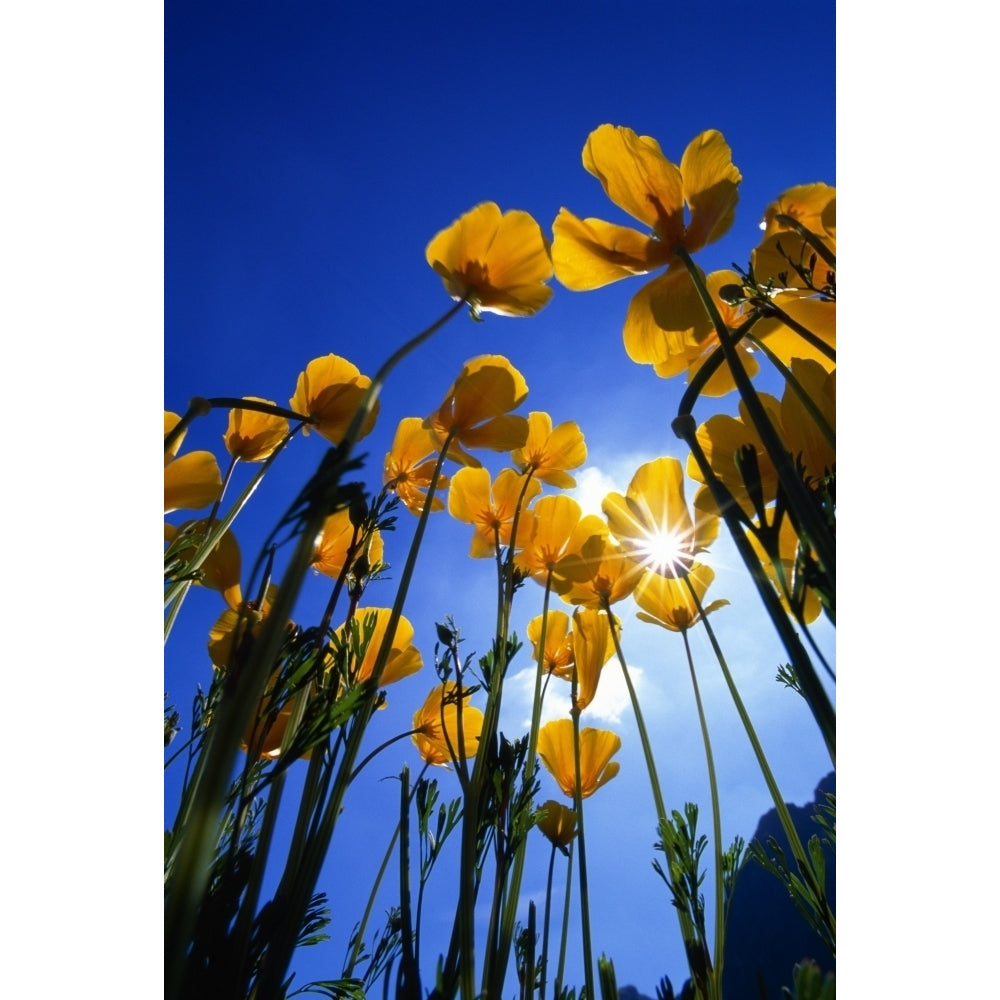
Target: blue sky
309	156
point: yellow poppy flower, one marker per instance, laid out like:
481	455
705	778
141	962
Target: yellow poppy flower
404	657
190	481
667	601
252	436
652	521
489	508
800	432
558	655
593	646
597	747
553	528
818	315
409	466
812	206
788	550
691	357
436	726
722	437
267	729
340	544
501	262
601	572
558	823
665	316
221	569
476	409
329	391
220	636
549	452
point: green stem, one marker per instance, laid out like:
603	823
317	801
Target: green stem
564	939
588	961
812	688
545	924
687	927
517	869
772	786
720	923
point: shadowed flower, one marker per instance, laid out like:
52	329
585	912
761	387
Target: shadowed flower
552	529
436	725
190	481
558	823
652	521
252	436
220	636
558	657
221	569
329	391
785	581
817	314
722	437
500	262
665	316
667	601
549	452
267	729
812	206
489	508
404	657
476	410
340	544
593	646
692	356
597	747
410	464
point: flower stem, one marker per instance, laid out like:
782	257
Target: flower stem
687	928
588	961
720	915
812	688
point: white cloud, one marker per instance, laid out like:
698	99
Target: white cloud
611	704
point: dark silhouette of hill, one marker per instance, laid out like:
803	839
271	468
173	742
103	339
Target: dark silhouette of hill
767	935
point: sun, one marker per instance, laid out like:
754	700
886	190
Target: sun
665	552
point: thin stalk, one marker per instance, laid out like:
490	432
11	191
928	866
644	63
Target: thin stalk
545	924
517	868
686	925
772	786
588	960
720	922
813	691
362	927
564	939
498	956
409	970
